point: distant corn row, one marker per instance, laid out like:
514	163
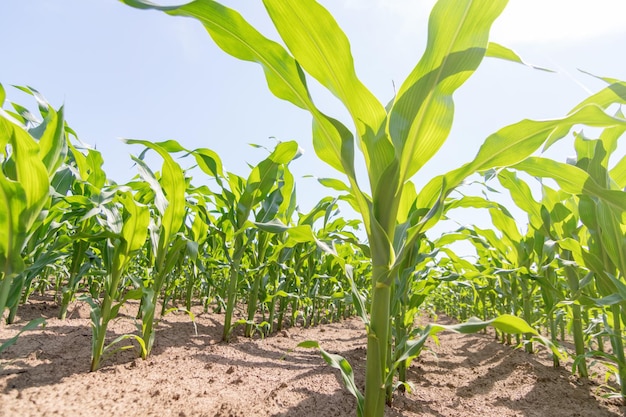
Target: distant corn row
164	242
566	272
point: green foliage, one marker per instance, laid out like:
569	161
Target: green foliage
161	240
395	141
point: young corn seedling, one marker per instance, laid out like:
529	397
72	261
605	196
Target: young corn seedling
126	229
242	198
165	242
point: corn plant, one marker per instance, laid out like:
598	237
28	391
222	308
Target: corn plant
242	198
278	205
601	205
88	193
166	245
396	140
125	231
30	156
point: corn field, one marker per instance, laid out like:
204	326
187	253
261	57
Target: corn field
186	232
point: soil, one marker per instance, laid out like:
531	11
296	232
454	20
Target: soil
46	373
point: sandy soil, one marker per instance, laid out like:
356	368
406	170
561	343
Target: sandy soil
46	374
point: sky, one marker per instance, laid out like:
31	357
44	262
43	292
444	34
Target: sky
122	72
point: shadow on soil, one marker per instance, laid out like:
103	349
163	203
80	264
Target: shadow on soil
495	364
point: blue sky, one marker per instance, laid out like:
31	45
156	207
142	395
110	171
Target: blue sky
123	72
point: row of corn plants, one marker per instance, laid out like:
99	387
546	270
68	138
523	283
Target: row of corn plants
165	243
395	142
566	273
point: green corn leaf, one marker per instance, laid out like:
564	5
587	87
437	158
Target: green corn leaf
170	146
297	234
333	142
335	184
29	326
3	95
209	162
470	201
320	46
149	178
200	225
604	301
265	178
609	138
511	324
287	188
134	229
612	234
339	362
284	153
618	173
514	143
614	93
173	185
590	155
173	253
108	350
136	220
504	222
619	284
495	50
407	202
572	180
421	116
96	175
52	144
522	196
24	192
506	323
273	226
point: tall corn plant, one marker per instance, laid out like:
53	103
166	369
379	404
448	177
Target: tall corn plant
396	141
29	157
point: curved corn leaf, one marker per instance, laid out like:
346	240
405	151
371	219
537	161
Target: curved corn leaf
505	323
522	196
51	138
339	362
614	93
322	49
263	179
29	326
511	145
572	180
612	228
495	50
172	183
421	116
333	143
24	192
